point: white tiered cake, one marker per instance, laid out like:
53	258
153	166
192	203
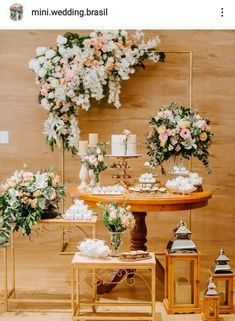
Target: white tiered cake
120	147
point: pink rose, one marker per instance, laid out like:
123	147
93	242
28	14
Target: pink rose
27	176
104	48
167	113
163	137
69	74
161	129
185	133
53	196
178	148
44	89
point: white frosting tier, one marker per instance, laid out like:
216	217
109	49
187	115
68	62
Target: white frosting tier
119	148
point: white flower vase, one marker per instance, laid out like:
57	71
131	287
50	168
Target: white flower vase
92	178
83	177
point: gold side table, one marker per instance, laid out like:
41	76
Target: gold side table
9	269
98	267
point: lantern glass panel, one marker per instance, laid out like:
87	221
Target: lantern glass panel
184	282
222	288
212	309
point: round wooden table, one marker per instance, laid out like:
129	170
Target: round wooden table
141	203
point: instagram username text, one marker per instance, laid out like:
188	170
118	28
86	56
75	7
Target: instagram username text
70	12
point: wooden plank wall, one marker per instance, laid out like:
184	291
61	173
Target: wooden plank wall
213	96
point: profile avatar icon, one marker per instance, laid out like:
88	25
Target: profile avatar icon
16	11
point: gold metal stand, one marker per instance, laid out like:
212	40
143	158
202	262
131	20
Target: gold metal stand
190	86
9	295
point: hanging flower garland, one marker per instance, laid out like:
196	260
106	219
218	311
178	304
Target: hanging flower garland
80	69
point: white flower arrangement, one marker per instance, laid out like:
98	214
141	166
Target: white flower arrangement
94	160
94	248
117	218
80	69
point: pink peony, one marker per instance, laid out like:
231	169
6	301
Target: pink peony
69	74
44	89
185	133
53	196
162	130
163	139
27	176
167	113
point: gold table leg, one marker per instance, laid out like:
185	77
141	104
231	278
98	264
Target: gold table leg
153	294
5	259
72	293
13	269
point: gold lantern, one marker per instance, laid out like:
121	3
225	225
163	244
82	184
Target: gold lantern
211	303
223	277
182	273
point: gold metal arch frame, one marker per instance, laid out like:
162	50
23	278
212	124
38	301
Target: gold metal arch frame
190	84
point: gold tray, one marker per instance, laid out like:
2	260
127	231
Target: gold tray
134	257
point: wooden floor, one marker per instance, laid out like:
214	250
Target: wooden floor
41	269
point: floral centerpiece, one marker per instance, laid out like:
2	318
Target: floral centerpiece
117	219
82	68
178	131
94	160
25	198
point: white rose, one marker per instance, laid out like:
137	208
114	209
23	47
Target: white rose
53	81
71	93
51	95
57	68
56	74
42	59
45	103
60	40
42	72
124	33
50	53
40	51
56	59
34	65
200	123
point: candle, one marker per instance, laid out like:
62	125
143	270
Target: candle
83	147
93	140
